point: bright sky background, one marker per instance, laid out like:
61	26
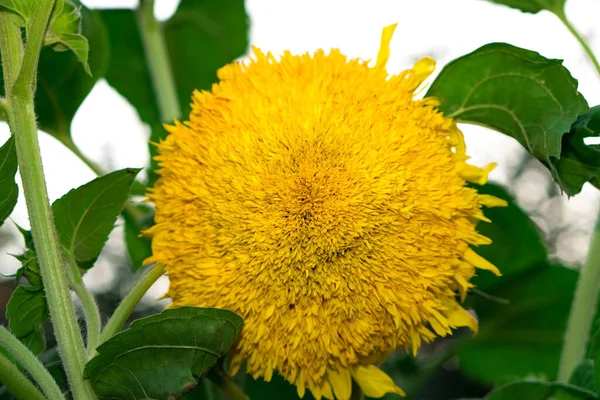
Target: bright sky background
108	130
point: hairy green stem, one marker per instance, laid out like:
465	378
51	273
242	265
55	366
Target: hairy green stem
586	47
22	122
583	310
30	363
11	47
93	322
157	59
16	382
124	310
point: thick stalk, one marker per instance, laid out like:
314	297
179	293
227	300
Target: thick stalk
157	59
586	47
583	310
22	122
124	310
11	47
30	363
16	382
93	322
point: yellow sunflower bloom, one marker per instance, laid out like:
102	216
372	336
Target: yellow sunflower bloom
315	197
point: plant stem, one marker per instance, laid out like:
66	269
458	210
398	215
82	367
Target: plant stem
90	308
12	54
226	384
16	382
157	59
586	47
583	310
22	122
30	363
69	144
123	311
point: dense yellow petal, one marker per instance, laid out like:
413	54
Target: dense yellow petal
341	382
317	198
374	382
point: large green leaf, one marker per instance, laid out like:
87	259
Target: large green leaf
517	245
514	91
86	215
162	356
537	390
525	336
27	312
201	37
8	186
579	163
534	6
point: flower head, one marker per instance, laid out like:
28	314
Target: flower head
314	196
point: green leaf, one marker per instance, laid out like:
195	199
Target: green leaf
524	337
27	312
8	186
536	390
86	215
162	356
579	163
201	37
534	6
138	247
64	32
514	91
583	376
517	245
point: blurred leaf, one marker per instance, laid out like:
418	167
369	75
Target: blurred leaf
536	390
85	216
534	6
185	341
64	32
27	312
8	186
579	163
139	247
201	37
62	82
516	242
583	376
524	337
514	91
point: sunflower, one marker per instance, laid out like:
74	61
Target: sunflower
317	198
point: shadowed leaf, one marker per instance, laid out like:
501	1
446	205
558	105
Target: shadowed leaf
162	355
